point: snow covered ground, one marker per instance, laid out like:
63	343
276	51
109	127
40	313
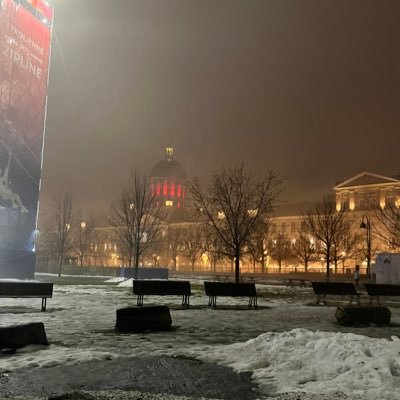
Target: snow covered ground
287	345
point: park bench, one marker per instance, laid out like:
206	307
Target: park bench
376	290
27	290
143	288
230	289
322	289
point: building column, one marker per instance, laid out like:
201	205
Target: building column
382	198
338	201
352	203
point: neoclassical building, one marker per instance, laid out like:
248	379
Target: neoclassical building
357	195
366	189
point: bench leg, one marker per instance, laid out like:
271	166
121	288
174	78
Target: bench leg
139	301
253	301
321	299
44	301
185	301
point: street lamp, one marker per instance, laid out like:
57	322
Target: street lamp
366	224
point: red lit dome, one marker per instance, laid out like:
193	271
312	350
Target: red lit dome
168	181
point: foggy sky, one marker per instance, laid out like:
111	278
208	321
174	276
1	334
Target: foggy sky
310	89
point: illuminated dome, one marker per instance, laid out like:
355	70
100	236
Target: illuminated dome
168	167
168	181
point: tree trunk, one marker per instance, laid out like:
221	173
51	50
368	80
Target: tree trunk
136	266
305	265
60	259
280	266
263	269
328	256
174	264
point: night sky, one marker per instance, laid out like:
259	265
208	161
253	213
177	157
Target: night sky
310	89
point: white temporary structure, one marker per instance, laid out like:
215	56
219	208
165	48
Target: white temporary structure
387	268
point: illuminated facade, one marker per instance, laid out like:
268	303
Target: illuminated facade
25	36
365	190
174	249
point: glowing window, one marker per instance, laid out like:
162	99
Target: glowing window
179	190
158	189
173	189
165	189
179	205
169	203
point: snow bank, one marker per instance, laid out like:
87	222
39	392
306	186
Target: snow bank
115	280
126	283
315	362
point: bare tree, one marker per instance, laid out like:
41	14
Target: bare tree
258	243
213	247
345	245
280	249
137	218
174	244
62	208
193	243
326	225
304	249
82	236
233	205
387	227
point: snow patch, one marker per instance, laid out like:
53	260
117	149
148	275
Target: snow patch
315	362
126	283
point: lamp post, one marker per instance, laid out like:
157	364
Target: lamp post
81	242
366	224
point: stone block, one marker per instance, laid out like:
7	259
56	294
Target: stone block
140	319
363	315
14	337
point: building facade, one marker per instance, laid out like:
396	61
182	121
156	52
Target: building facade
176	247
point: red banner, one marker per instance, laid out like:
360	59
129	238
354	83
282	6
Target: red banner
24	58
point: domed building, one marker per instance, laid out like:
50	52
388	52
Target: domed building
168	182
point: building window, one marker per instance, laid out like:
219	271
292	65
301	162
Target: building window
293	227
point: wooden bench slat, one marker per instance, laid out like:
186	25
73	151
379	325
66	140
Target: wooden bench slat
378	290
162	288
322	289
230	289
27	290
